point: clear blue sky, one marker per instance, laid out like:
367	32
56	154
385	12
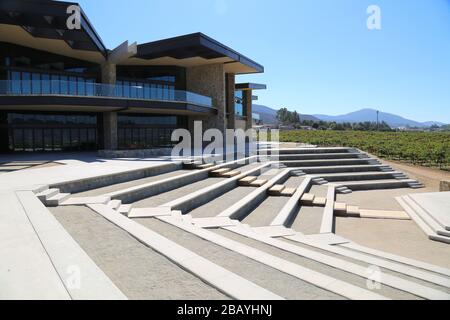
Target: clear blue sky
319	56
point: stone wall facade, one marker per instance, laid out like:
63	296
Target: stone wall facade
209	80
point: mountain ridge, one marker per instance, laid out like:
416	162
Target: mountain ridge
269	115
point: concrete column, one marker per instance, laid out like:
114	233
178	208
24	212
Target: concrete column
209	80
110	131
230	99
109	118
247	97
109	73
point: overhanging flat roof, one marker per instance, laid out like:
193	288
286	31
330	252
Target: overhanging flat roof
41	24
194	49
250	86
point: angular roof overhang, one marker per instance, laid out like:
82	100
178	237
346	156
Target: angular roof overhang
193	50
41	24
250	86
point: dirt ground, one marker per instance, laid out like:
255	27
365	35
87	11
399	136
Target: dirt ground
430	177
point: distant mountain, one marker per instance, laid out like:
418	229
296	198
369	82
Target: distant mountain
269	115
370	115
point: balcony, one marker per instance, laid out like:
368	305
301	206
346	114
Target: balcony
60	88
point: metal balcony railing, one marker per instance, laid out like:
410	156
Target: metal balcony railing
92	89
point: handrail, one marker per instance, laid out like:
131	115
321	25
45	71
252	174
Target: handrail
92	89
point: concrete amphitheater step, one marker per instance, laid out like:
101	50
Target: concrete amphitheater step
228	282
403	286
285	215
356	176
379	184
307	150
396	258
245	182
327	225
340	168
219	172
428	225
276	190
231	174
114	204
329	162
280	270
155	187
405	270
64	253
202	196
307	199
288	192
57	199
314	156
48	193
436	204
246	204
396	287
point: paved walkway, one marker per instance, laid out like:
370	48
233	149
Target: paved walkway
28	235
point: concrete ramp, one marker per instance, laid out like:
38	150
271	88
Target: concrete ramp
431	212
437	205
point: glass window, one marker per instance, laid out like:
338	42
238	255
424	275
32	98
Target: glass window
64	85
55	84
38	139
126	89
48	140
75	137
238	106
57	143
133	91
153	92
26	83
119	89
146	91
140	90
160	92
66	139
45	84
73	85
16	84
81	86
28	139
36	83
90	87
18	140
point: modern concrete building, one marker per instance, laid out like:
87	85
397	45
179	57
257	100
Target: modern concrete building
62	89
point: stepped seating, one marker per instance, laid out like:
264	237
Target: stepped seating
358	176
258	183
344	210
192	165
329	162
276	190
319	201
245	182
52	197
319	181
219	172
380	184
340	208
206	166
230	174
307	199
432	222
288	192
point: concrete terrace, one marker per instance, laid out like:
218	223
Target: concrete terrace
310	224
